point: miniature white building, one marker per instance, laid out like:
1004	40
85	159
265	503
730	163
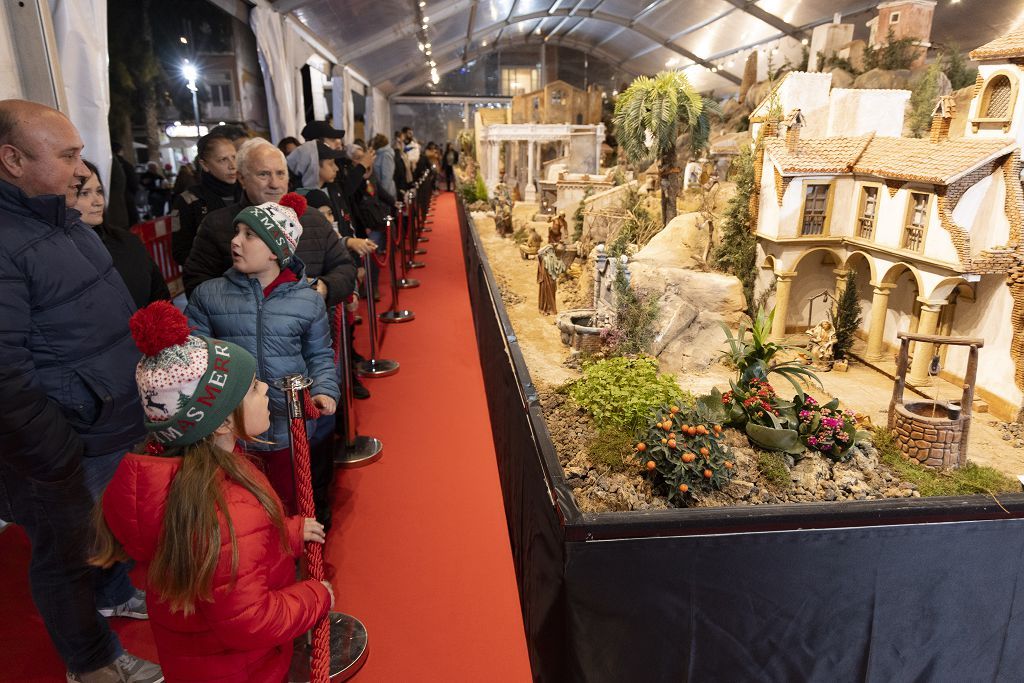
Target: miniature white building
932	226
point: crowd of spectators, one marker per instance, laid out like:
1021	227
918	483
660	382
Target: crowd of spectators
277	275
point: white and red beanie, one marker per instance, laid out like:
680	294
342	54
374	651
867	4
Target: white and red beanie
277	224
188	385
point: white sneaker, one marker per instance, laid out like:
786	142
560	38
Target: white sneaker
133	608
125	669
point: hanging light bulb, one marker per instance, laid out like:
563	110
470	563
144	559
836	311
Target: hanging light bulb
483	44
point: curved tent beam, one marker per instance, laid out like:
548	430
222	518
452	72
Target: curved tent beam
441	50
442	68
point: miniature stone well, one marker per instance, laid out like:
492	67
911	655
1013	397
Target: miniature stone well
581	328
933	434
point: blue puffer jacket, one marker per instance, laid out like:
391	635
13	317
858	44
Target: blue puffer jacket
64	339
287	332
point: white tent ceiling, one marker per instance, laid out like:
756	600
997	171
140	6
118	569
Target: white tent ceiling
379	37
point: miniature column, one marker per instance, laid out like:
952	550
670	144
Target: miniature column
928	324
783	285
876	331
531	193
840	274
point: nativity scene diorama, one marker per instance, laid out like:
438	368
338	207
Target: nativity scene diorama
791	295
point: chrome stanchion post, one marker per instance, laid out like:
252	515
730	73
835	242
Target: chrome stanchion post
403	209
412	229
394	315
373	366
350	449
347	637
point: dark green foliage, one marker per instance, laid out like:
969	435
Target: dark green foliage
847	316
922	101
635	319
895	54
834	61
956	69
736	253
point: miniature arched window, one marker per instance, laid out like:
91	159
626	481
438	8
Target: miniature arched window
997	102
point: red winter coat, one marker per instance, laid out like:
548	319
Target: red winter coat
245	633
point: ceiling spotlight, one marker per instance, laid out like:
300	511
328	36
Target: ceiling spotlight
805	41
426	20
428	53
434	78
426	45
433	63
615	93
422	4
424	27
184	40
483	44
420	45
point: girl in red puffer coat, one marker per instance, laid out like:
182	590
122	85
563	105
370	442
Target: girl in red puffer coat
201	521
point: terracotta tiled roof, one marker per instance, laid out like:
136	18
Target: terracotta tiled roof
817	155
910	159
1010	45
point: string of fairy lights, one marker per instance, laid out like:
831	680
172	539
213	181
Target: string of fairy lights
423	41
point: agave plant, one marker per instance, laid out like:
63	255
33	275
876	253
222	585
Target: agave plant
755	357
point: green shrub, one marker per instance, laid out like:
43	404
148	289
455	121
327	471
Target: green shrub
966	481
922	100
847	317
481	188
956	69
736	253
895	54
635	319
683	454
622	392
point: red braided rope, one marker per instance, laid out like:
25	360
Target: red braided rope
382	259
339	326
400	220
321	664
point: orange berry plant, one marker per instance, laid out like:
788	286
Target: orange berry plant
683	454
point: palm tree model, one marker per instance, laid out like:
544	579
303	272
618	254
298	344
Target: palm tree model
650	116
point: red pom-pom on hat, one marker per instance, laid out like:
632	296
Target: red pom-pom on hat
158	326
295	202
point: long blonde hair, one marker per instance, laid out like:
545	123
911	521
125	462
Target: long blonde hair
188	549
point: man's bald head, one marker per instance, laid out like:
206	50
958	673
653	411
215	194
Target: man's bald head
40	149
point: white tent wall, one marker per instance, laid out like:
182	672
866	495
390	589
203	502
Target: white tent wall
268	27
82	51
379	114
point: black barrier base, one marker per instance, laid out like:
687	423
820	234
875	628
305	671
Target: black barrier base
416	264
890	590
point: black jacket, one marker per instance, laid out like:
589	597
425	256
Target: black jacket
141	275
189	209
319	248
67	357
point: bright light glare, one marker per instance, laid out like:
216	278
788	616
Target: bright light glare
189	72
184	40
483	44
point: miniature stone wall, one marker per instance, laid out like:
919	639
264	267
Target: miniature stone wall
931	441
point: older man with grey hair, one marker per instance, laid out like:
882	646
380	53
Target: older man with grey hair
263	174
69	407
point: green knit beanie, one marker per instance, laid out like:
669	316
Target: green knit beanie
277	224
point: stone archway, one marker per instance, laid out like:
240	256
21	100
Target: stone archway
866	271
814	286
894	304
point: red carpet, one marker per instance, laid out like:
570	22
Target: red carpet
419	544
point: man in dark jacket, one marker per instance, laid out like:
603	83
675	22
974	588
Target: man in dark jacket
263	174
69	407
